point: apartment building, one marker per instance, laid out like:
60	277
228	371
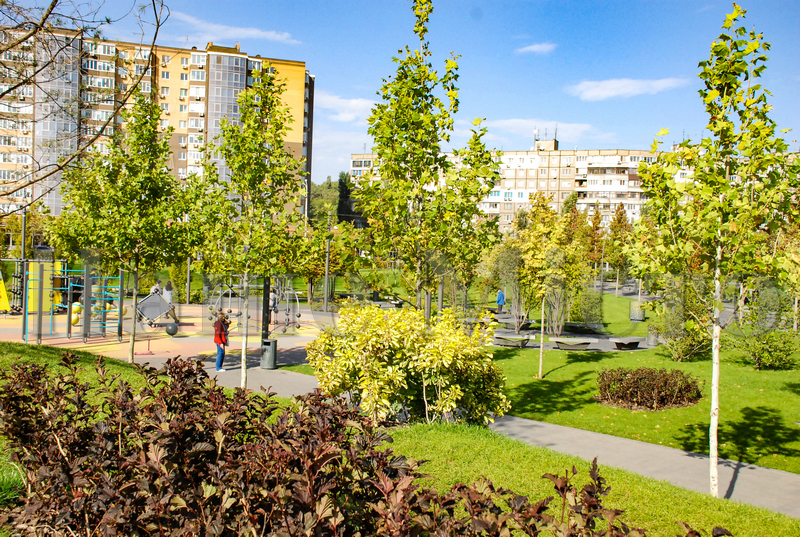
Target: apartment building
602	178
71	100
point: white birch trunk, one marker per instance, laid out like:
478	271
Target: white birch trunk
616	291
715	348
541	344
245	325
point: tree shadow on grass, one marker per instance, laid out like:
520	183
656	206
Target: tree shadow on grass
581	357
544	397
505	353
760	432
793	387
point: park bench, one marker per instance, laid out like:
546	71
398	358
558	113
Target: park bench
627	343
572	343
505	341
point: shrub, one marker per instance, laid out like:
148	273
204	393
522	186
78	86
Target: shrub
647	388
182	458
677	323
772	349
390	359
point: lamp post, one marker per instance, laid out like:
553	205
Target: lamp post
327	263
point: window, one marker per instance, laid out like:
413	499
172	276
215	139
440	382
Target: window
164	92
164	75
181	139
522	161
253	66
164	123
145	87
165	58
123	54
181	172
197	91
566	171
542	184
198	75
199	59
142	69
182	156
108	50
521	195
508	206
184	62
196	123
581	158
184	76
197	108
567	160
566	184
184	92
634	158
90	47
543	172
553	184
510	160
182	124
183	109
165	107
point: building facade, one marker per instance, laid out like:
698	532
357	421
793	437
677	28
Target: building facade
602	178
68	103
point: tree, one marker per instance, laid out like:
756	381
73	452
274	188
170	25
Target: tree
248	218
125	206
323	197
743	188
41	44
345	208
421	204
619	233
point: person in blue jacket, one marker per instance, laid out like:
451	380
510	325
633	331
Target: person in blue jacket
501	300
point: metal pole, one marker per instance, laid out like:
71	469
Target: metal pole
327	263
87	302
266	309
40	305
69	307
25	300
188	279
22	239
427	306
602	261
120	305
541	342
440	297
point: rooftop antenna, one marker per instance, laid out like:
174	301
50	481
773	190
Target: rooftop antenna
365	148
555	136
535	133
545	133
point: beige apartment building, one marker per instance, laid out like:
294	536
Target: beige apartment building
71	100
602	178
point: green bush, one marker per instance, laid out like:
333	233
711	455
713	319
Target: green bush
772	349
390	360
647	388
676	323
177	274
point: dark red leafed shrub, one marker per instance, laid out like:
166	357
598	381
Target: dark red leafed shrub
180	458
647	388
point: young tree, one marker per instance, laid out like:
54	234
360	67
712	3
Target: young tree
125	206
248	217
742	188
619	233
422	205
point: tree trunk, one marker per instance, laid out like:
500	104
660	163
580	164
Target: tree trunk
616	291
541	344
245	314
310	290
794	325
132	349
715	348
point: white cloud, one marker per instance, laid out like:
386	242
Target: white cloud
200	31
343	110
600	90
332	149
537	48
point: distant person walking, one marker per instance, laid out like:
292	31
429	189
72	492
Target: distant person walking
156	289
501	300
167	296
221	339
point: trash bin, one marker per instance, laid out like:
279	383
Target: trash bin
269	354
652	336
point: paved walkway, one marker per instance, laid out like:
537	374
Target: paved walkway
772	489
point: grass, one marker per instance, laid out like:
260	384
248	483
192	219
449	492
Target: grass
758	409
459	453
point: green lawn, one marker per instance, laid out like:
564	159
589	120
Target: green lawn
457	453
758	409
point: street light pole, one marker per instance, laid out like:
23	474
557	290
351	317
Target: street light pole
327	263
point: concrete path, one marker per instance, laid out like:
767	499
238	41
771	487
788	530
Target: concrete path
764	487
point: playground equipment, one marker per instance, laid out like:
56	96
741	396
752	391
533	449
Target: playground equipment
152	308
287	302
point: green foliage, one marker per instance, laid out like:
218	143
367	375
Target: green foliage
772	349
189	459
423	205
322	197
390	359
177	275
680	318
647	388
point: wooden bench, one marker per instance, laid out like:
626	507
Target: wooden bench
572	343
627	343
519	342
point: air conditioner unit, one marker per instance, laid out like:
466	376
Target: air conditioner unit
202	114
183	146
195	145
23	149
181	98
163	64
197	98
25	166
166	112
185	66
163	96
201	66
24	131
21	97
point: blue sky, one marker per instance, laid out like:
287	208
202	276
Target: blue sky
608	73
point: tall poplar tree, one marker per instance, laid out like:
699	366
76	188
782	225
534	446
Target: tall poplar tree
422	205
743	189
248	217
